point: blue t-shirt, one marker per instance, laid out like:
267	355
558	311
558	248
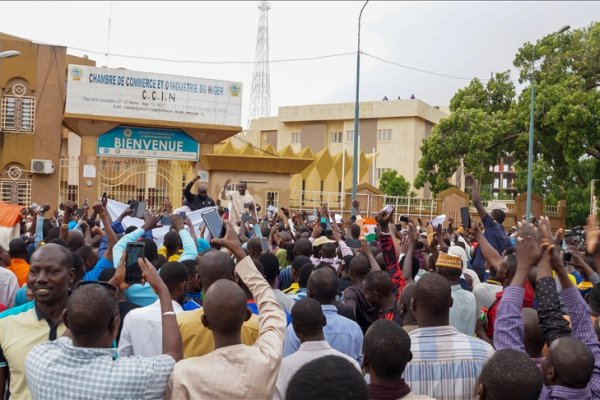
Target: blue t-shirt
94	273
141	295
495	235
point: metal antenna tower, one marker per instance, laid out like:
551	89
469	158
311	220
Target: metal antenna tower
260	98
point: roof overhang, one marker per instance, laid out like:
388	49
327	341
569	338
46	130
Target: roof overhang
231	162
94	125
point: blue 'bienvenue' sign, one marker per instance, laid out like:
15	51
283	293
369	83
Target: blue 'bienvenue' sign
147	143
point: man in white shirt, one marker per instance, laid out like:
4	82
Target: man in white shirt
241	201
142	328
308	321
8	287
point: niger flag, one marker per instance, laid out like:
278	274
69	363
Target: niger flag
368	229
10	218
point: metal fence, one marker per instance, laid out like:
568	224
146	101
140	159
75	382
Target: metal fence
340	202
415	206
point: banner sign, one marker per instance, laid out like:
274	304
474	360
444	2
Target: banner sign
147	143
110	92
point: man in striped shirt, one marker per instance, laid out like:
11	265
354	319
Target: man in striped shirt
445	362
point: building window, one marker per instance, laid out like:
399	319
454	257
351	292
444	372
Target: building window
18	114
380	171
496	183
350	136
272	199
504	183
335	137
295	137
384	135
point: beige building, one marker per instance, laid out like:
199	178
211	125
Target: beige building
392	131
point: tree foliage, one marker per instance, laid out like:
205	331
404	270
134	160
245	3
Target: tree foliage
489	121
393	184
473	135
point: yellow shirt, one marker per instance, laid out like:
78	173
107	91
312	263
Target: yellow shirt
162	251
18	335
571	278
198	340
239	371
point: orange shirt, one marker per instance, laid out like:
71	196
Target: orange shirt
20	268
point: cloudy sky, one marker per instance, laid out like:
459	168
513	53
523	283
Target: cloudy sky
463	39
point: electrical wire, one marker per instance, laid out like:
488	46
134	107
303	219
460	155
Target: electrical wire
214	62
283	60
422	70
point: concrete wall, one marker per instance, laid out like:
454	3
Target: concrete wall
43	69
314	136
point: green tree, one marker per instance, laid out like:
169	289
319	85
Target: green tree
474	135
393	184
489	121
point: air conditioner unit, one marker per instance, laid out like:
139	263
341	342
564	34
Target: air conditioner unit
42	166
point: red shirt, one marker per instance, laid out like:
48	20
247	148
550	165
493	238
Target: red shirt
491	314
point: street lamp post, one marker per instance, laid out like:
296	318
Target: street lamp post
356	107
9	53
531	108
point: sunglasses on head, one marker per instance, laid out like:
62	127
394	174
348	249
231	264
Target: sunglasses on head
107	285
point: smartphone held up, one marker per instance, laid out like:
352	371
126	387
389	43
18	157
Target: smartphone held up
133	252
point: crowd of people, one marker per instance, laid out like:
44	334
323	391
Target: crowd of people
457	312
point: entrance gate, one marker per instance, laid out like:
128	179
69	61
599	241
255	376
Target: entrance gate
148	180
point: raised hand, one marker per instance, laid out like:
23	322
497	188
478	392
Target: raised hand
469	179
592	236
413	234
316	230
177	221
118	278
231	241
529	246
364	247
150	220
151	276
98	207
324	212
383	218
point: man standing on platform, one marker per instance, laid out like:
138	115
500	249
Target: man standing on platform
200	200
241	202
